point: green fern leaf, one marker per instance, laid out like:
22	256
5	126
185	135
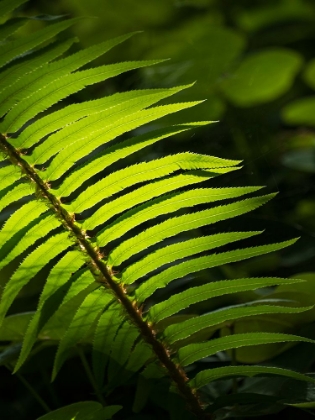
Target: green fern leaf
142	172
12	78
58	89
72	113
16	193
121	349
137	359
12	49
48	228
115	153
99	135
94	129
29	267
196	351
170	204
209	375
187	328
142	194
173	305
45	224
8	175
44	77
179	224
211	290
87	314
108	325
177	251
21	218
57	291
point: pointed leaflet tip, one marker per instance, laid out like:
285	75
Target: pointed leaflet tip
195	124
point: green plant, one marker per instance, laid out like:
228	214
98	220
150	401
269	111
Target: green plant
73	223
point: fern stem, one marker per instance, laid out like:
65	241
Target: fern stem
103	275
90	376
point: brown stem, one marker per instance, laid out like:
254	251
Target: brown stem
103	275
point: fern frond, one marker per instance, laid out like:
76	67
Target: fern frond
8	175
197	351
138	358
177	225
88	312
42	78
45	224
55	90
107	327
209	375
170	204
143	194
180	250
57	291
191	266
142	172
13	76
72	113
95	130
18	191
32	264
115	153
121	349
125	354
21	218
77	144
189	327
13	49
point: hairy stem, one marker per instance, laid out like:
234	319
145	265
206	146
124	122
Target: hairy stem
103	274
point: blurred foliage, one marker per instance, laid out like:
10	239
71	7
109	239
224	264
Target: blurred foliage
254	63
